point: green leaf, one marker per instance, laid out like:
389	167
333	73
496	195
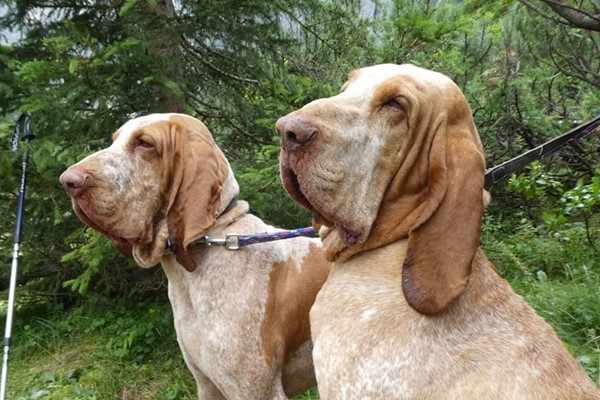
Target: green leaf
127	7
73	66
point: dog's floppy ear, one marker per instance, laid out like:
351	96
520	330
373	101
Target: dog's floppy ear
198	170
443	242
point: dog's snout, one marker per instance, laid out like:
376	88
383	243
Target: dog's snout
296	131
74	181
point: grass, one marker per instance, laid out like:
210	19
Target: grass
119	351
93	353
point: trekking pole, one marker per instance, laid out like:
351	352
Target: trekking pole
24	125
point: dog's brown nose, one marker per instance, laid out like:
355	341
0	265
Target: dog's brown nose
295	131
74	181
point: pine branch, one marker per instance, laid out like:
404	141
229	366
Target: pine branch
198	56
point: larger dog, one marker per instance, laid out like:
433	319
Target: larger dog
241	317
393	168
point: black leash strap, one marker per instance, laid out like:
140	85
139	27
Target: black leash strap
499	172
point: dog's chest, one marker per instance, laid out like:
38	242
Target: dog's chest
218	311
352	354
363	346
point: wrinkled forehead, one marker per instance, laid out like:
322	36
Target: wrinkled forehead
366	80
136	124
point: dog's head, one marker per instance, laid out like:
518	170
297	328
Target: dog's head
162	177
396	154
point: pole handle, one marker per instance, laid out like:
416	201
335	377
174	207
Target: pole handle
22	127
22	131
27	132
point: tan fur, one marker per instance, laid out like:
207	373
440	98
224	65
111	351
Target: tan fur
242	318
412	309
291	295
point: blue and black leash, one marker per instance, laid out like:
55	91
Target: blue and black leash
234	241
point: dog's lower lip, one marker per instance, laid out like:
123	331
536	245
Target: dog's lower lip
87	220
293	179
303	200
351	237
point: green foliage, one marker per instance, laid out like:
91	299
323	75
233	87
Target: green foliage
261	187
583	198
558	209
97	254
82	72
535	184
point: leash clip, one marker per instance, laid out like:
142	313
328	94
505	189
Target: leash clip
231	241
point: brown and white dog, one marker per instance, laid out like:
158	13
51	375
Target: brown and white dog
393	168
241	317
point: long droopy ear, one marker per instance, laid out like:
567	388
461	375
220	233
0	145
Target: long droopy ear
443	242
197	171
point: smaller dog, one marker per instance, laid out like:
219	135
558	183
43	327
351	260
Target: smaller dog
241	317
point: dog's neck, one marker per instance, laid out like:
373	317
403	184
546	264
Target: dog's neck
337	250
385	264
229	191
229	216
230	209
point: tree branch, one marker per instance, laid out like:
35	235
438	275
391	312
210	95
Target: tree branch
575	17
194	53
541	12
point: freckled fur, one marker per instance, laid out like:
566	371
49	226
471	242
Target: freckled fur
219	313
241	317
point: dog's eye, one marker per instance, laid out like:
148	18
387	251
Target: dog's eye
144	144
393	103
